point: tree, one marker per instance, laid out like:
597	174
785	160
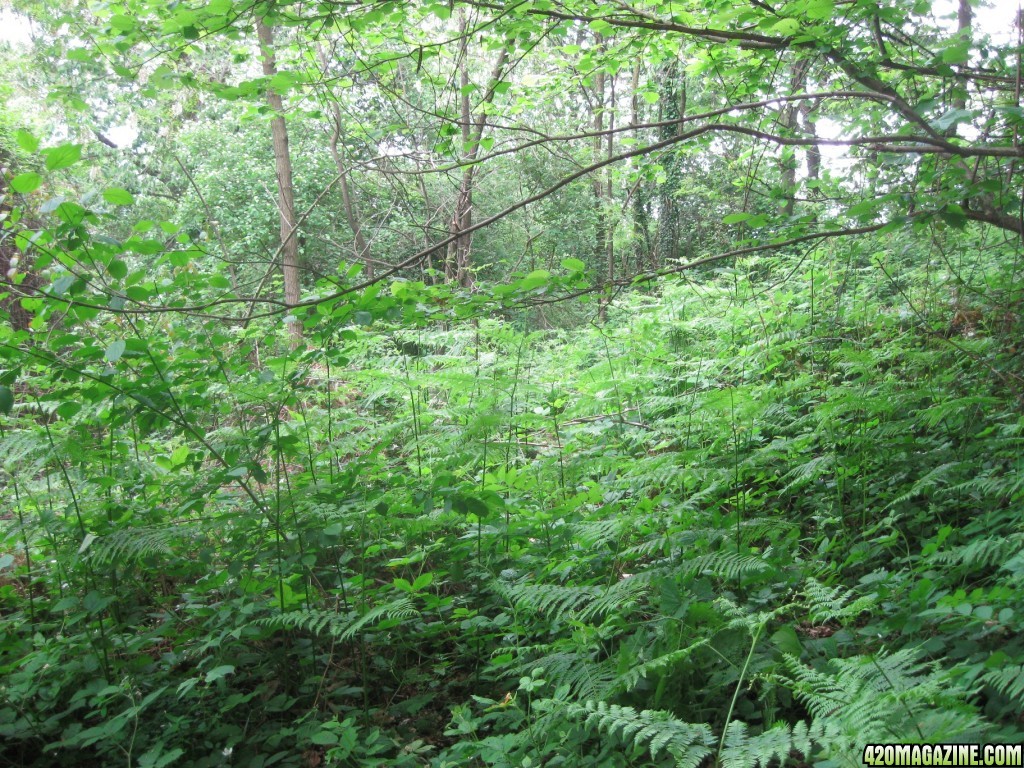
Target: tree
927	112
285	184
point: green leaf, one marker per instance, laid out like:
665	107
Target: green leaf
786	27
123	23
573	265
787	640
220	672
117	269
63	156
118	196
89	539
114	351
819	9
423	581
26	182
27	141
952	117
68	409
958	53
6	399
62	284
736	218
324	738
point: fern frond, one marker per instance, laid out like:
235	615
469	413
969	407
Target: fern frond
128	544
834	603
886	697
586	602
655	730
342	626
1009	681
728	565
983	552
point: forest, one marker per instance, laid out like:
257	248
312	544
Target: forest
510	383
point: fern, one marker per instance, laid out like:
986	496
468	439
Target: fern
344	627
660	664
886	697
1008	681
576	670
585	602
654	730
984	552
834	603
729	565
132	544
773	746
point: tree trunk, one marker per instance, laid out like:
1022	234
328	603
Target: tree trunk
964	20
285	187
457	265
791	120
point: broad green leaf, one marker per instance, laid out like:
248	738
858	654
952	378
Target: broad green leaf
862	209
736	218
123	23
118	196
89	539
818	9
573	265
26	182
220	672
6	399
27	141
952	117
958	53
423	581
324	738
68	409
62	284
52	204
114	351
786	27
180	455
117	269
63	156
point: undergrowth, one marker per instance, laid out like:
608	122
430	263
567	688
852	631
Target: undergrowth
764	515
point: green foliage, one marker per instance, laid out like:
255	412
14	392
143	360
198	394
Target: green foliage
767	511
718	526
